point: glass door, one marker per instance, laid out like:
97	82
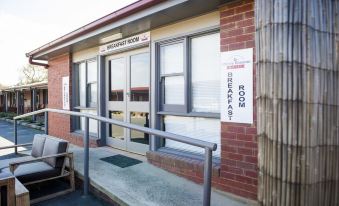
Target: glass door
128	99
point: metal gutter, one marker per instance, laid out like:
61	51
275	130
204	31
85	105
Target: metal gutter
119	14
30	60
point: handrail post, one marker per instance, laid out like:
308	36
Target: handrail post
46	122
16	135
207	177
86	156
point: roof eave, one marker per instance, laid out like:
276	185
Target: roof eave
119	14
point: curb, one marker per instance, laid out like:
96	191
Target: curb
25	124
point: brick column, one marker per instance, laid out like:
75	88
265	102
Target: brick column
239	154
59	125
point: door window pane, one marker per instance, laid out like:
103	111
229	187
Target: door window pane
206	129
172	58
117	131
141	119
205	61
174	90
118	79
82	84
140	77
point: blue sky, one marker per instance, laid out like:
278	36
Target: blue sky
26	25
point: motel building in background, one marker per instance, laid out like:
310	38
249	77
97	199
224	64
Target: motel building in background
258	78
25	98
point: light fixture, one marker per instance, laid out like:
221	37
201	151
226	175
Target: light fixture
110	38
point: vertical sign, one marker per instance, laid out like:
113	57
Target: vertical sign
237	86
65	93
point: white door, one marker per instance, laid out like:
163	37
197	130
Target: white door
128	99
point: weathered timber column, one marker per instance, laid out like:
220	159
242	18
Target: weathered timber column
6	101
297	45
34	107
18	102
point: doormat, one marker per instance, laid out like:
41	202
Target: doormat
121	161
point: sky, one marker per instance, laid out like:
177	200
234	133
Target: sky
28	24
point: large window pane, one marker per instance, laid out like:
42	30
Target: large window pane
141	119
118	79
174	90
93	124
140	77
206	129
82	84
205	61
92	71
172	58
92	93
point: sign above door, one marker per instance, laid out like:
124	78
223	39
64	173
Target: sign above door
125	43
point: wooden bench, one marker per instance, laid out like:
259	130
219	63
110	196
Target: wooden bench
7	180
17	194
21	194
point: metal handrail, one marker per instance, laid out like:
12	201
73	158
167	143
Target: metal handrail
208	146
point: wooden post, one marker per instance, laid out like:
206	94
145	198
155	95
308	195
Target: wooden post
8	180
297	54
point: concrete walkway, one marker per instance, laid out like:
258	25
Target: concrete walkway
142	184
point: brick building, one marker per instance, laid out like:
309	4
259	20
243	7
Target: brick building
24	98
156	63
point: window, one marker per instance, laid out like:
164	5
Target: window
207	129
189	74
87	83
172	76
92	83
205	80
86	87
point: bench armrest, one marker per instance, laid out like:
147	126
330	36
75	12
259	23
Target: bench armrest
14	165
14	146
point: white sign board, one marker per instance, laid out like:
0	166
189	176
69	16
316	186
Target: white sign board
65	93
125	43
237	86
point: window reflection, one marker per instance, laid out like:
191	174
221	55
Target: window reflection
142	119
117	79
117	131
140	77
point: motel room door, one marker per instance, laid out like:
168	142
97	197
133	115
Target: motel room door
128	84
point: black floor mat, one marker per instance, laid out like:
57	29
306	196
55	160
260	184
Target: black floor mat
121	161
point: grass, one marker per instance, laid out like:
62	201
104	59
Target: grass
10	115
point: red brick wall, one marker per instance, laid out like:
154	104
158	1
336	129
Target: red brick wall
60	125
239	156
238	172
